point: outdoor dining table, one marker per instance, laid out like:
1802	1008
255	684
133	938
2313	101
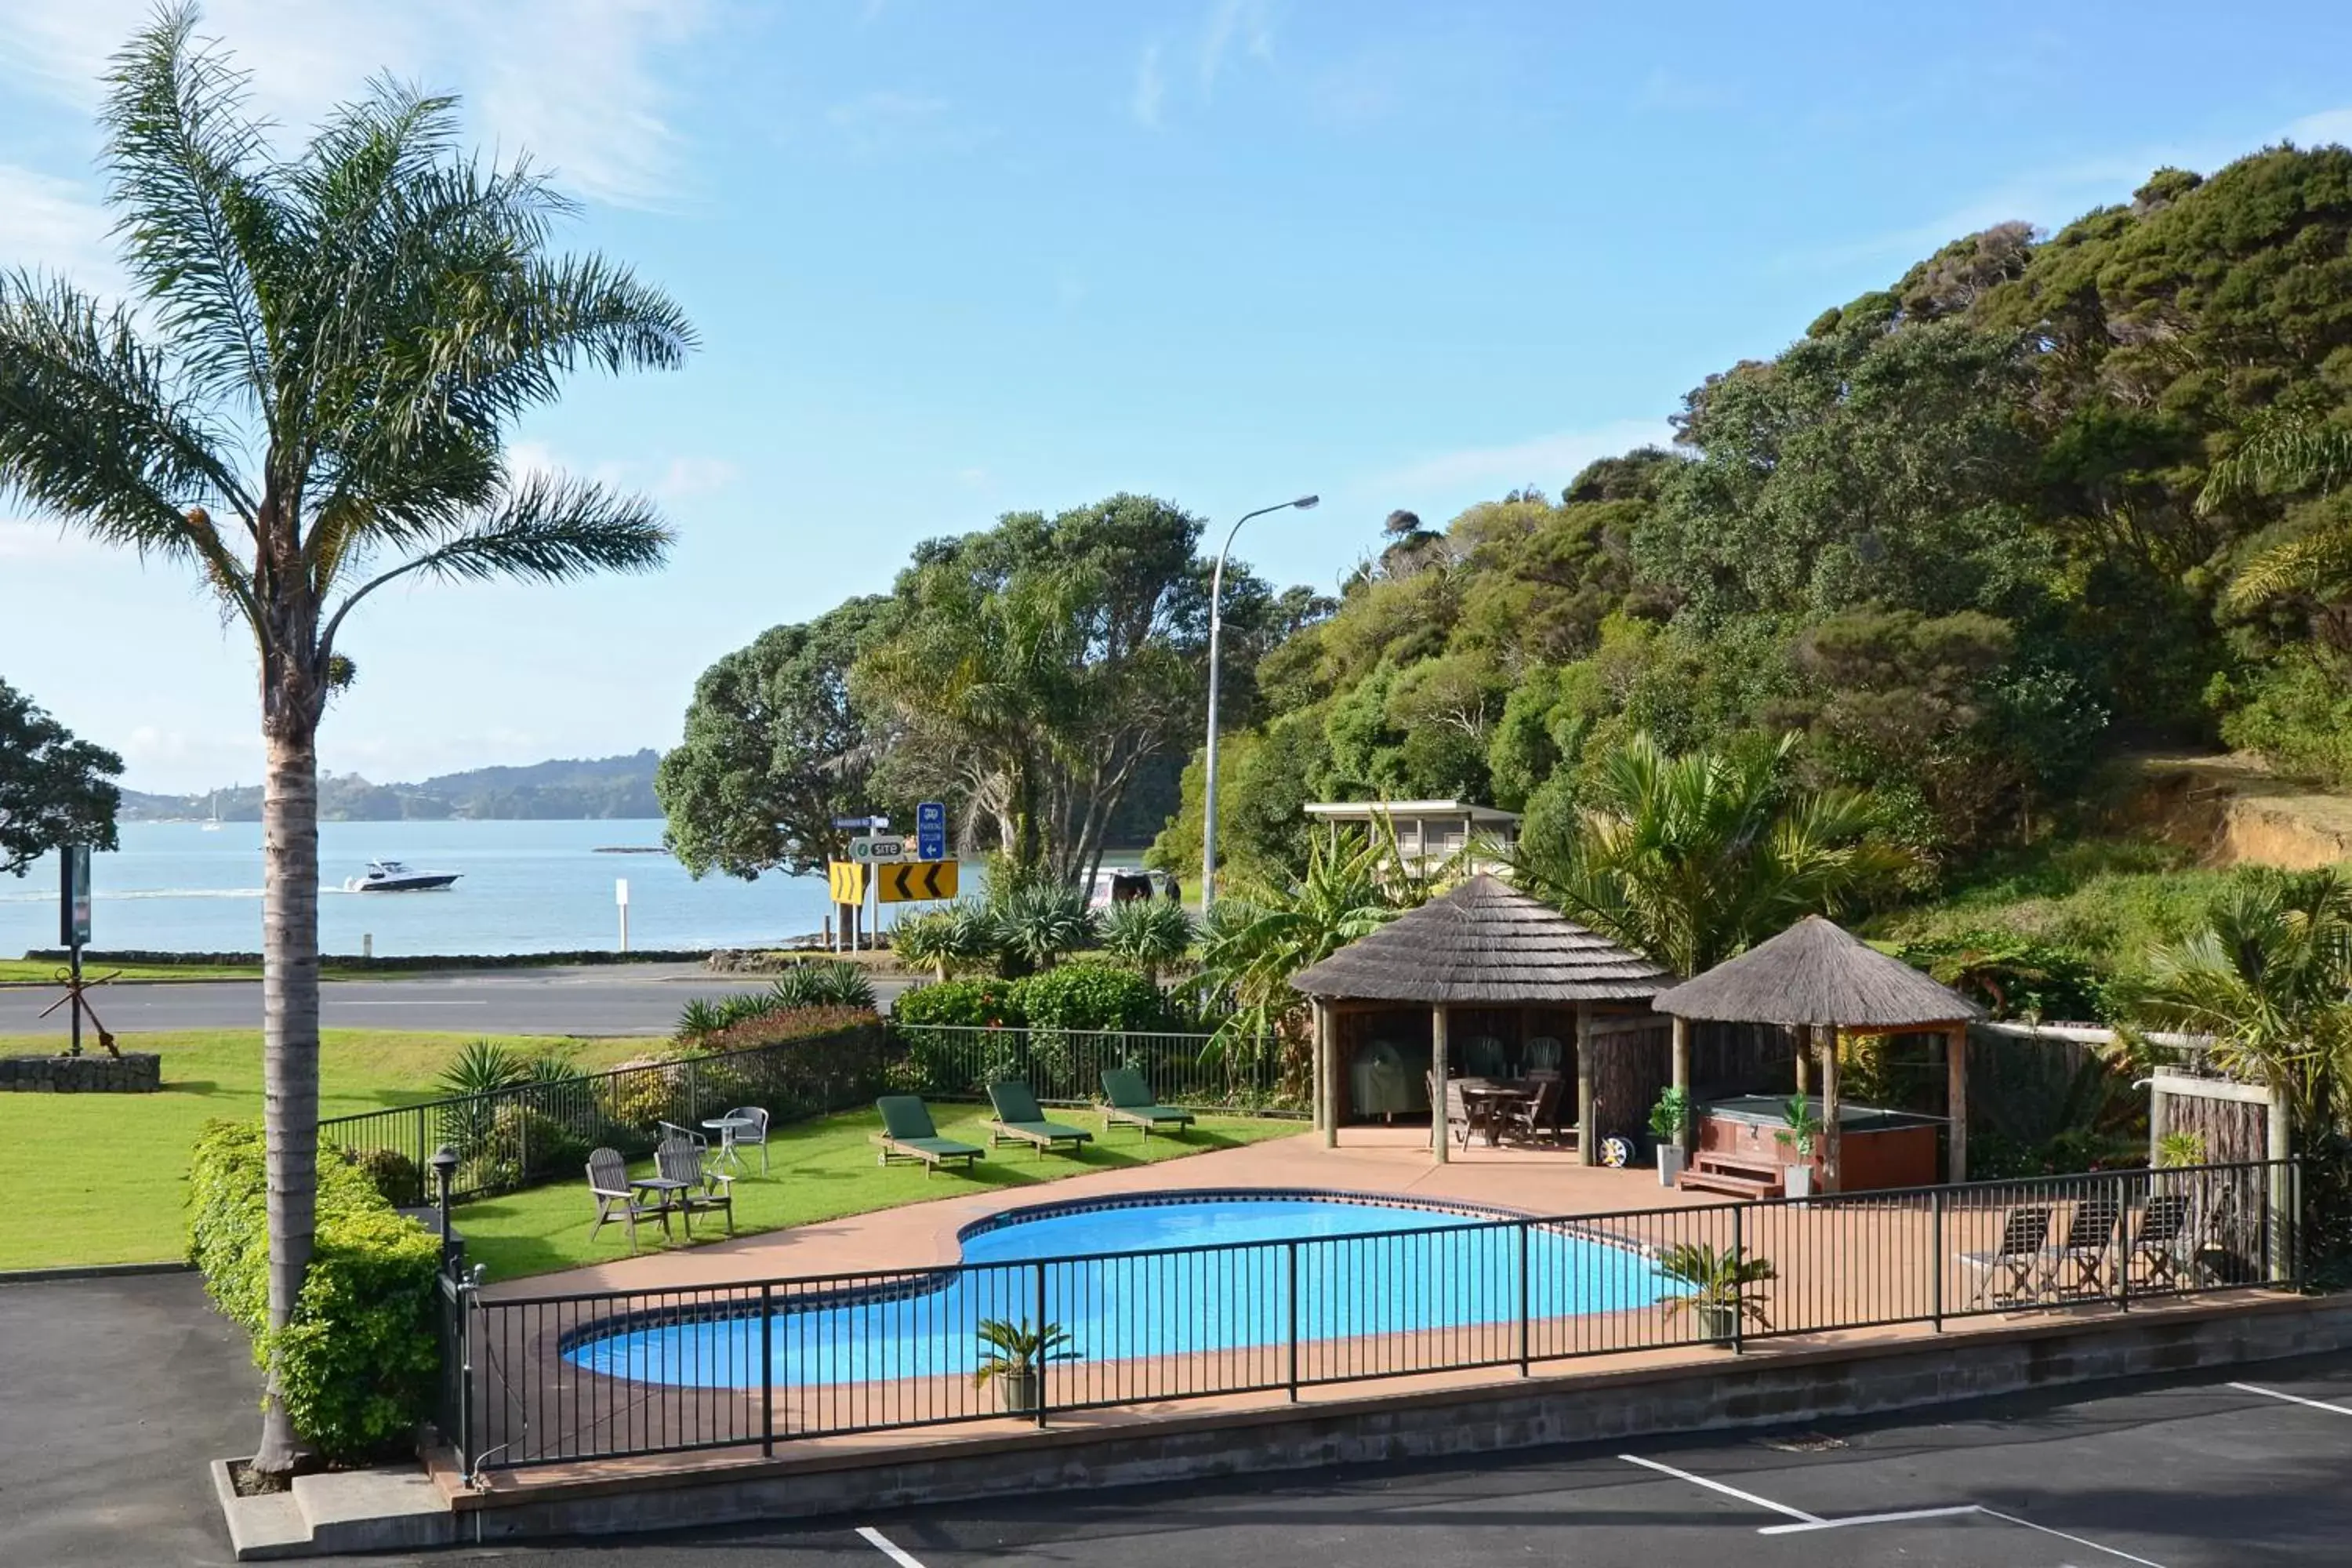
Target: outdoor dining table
727	1127
1484	1099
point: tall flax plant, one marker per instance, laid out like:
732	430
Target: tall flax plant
306	401
1694	859
1260	936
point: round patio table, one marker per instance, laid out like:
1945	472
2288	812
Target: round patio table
727	1127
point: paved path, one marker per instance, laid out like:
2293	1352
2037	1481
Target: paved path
118	1391
640	999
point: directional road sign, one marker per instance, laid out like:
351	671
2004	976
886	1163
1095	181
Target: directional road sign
930	831
845	879
860	823
876	849
910	881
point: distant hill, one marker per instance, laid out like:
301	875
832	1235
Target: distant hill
571	789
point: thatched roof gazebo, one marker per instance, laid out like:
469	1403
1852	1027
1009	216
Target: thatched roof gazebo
1485	945
1818	977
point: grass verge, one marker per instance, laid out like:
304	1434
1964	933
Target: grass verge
821	1170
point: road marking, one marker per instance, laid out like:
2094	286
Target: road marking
888	1548
2294	1398
1869	1518
2077	1540
402	1002
1749	1498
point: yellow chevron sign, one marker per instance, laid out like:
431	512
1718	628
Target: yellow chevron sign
848	880
907	882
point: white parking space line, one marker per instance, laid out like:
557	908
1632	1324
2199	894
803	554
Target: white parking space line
1853	1518
888	1548
2079	1541
2293	1398
1748	1498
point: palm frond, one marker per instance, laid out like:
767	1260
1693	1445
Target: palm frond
2319	562
2280	452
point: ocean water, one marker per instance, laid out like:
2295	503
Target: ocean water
524	887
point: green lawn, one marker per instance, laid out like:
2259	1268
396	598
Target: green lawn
28	972
820	1170
102	1178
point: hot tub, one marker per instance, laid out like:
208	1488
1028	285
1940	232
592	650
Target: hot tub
1877	1148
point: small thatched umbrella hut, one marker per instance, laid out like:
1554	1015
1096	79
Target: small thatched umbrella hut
1484	945
1821	978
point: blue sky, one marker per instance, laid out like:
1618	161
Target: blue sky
952	259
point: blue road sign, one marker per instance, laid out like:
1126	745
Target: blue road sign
930	831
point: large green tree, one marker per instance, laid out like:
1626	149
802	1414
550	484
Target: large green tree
55	789
775	749
305	402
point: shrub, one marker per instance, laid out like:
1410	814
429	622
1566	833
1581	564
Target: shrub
1151	934
1041	922
395	1176
817	983
1090	997
976	1004
356	1366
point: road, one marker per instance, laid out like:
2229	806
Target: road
121	1389
635	999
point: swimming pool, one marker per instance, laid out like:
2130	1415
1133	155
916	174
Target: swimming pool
1242	1264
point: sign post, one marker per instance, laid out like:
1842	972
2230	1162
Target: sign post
73	920
621	897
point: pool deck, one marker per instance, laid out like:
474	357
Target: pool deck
1372	1161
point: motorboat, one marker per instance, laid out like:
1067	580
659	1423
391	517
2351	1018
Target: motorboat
394	877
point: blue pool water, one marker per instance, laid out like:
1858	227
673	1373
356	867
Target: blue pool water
1356	1268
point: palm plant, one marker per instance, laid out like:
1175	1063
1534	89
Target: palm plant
1694	859
306	402
964	936
1722	1283
2288	453
823	984
1153	934
1036	924
1259	937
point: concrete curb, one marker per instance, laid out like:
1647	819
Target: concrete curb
390	1508
90	1271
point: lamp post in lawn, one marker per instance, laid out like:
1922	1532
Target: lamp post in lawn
1216	626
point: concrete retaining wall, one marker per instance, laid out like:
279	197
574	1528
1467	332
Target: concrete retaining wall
1761	1389
133	1072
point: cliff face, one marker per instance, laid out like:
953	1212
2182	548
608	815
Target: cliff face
2234	810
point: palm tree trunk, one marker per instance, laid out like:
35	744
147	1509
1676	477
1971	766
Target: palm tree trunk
289	1045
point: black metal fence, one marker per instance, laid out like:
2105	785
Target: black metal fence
542	1129
556	1379
1064	1066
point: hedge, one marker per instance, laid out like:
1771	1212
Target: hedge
1073	996
357	1366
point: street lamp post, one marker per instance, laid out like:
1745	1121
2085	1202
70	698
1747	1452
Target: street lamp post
1216	626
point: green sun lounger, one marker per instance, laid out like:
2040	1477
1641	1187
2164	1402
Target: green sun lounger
1019	1121
908	1134
1131	1102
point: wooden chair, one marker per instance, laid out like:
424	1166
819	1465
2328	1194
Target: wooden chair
2013	1272
704	1189
2078	1266
608	1183
1528	1118
2163	1247
1457	1109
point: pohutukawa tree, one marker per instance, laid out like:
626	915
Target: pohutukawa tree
308	399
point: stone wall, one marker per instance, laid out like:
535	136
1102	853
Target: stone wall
133	1072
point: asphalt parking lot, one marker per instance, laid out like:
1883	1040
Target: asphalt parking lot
114	1393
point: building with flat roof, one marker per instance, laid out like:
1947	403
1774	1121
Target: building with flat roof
1428	832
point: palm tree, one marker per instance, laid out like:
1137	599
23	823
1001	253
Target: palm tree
2268	980
305	402
1259	937
1694	859
2286	453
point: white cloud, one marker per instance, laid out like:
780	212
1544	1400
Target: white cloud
2329	126
41	542
685	477
1547	461
54	225
575	82
1248	23
1150	88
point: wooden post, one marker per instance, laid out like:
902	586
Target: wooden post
1438	1074
2279	1147
1681	1074
1955	1099
1327	1072
1804	1054
1586	1154
1827	1035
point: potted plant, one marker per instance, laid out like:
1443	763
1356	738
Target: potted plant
1014	1356
1802	1133
1718	1281
1669	1120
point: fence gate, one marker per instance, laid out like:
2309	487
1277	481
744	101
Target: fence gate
2231	1118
